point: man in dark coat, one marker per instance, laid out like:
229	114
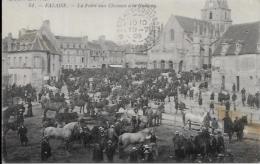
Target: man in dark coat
227	105
29	111
200	100
45	149
211	107
220	143
22	132
243	94
212	96
234	98
110	151
97	153
234	88
228	126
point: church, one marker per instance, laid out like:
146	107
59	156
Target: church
188	44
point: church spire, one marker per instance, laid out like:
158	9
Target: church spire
218	13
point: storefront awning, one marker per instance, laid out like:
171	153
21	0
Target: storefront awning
115	66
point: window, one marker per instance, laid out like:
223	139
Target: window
154	64
82	60
20	61
26	61
53	67
15	62
68	57
172	34
210	15
238	48
224	49
24	79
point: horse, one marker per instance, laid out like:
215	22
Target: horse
67	133
155	115
78	102
239	126
53	106
134	138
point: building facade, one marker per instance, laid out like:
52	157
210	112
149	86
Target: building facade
74	51
33	57
187	43
114	54
236	59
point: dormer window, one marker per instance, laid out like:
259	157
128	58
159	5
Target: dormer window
225	47
238	48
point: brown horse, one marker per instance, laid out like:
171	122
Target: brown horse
78	102
52	106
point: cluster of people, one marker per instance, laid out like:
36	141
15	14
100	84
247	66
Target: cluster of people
203	145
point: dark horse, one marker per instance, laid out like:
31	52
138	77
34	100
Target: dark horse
239	127
10	111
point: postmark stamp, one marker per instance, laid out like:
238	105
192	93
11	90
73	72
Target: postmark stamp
139	26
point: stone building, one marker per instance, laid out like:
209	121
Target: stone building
114	54
33	57
237	58
74	51
135	57
187	43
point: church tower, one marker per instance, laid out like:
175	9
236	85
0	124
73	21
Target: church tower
218	13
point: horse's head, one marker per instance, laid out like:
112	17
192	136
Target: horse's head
147	131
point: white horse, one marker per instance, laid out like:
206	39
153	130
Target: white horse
66	133
134	138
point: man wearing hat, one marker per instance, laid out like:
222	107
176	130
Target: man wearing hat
22	132
110	151
148	154
220	143
111	134
45	149
228	125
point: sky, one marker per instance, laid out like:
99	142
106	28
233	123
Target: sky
93	22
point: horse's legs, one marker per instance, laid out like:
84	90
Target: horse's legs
44	113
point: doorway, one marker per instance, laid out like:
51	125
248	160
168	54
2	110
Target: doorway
180	66
238	83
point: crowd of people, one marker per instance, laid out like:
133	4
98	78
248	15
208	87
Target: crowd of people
135	88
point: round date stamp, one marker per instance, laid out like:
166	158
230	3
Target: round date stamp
139	26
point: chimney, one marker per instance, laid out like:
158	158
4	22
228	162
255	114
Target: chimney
85	39
102	38
46	24
22	32
9	42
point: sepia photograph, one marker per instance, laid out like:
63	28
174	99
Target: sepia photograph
130	81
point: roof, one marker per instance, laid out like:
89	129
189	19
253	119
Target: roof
36	41
94	45
69	38
188	24
247	34
108	45
216	4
